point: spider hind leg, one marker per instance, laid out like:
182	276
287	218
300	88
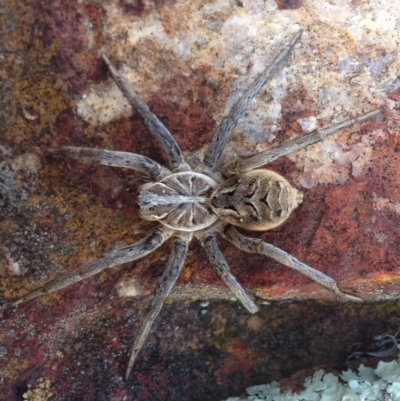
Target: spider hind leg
255	245
240	166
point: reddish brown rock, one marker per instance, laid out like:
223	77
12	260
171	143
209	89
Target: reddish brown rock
190	61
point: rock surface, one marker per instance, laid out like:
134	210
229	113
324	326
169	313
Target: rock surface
190	61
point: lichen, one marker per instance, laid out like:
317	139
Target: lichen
368	384
39	392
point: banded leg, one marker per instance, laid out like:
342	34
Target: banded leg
164	287
155	126
116	159
255	245
240	166
224	130
109	259
220	265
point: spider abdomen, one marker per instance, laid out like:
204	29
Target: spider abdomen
257	200
179	201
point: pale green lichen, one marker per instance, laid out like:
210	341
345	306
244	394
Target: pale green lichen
368	384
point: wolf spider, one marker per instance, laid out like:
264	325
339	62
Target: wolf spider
191	199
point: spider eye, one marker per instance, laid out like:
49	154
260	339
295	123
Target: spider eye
151	209
151	191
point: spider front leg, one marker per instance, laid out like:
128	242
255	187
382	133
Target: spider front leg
225	128
255	245
139	163
155	126
164	287
240	166
220	265
109	259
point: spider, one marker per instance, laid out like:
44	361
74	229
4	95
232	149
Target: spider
191	199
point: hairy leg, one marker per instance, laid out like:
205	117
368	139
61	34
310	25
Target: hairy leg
220	265
240	166
109	259
224	130
255	245
164	287
155	126
116	159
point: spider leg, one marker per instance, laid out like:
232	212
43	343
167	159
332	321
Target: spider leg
220	265
240	166
225	128
255	245
155	126
116	159
109	259
144	226
167	281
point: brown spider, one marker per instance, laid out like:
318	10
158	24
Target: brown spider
191	199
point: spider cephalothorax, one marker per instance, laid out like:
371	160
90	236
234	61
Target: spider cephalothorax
179	201
190	198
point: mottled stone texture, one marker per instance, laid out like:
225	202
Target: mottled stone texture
191	61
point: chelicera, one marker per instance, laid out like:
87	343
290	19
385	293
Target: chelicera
191	198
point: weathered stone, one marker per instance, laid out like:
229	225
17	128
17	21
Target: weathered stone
190	61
